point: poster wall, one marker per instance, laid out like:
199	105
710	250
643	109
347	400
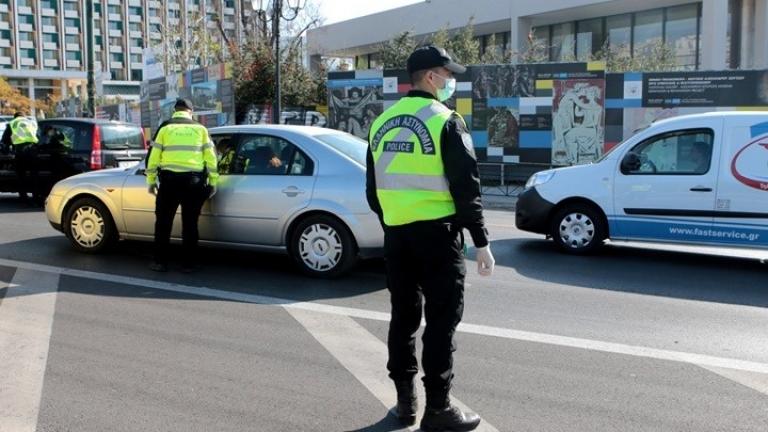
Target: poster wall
210	89
555	114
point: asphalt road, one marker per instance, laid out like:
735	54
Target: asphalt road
633	339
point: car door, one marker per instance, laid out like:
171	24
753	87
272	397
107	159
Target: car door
665	187
742	193
267	180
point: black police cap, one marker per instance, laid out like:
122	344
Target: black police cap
430	56
182	103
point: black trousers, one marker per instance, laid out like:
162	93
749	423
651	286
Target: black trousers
190	191
26	169
425	268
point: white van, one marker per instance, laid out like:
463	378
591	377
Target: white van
697	179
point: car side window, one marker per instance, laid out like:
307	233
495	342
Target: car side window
59	136
270	155
226	152
686	152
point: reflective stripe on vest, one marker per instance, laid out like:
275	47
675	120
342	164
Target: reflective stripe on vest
23	131
182	146
406	147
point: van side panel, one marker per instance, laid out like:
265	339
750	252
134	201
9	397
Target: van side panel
741	217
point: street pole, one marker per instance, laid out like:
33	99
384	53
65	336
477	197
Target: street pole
91	60
277	11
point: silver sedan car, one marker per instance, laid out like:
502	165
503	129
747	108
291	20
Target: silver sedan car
286	189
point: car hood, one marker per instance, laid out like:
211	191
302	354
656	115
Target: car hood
112	177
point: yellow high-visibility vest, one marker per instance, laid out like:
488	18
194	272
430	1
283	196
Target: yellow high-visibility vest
410	177
23	131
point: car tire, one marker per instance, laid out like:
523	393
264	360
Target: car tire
89	225
578	229
322	247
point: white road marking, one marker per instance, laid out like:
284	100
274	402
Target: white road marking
753	380
26	316
482	330
363	355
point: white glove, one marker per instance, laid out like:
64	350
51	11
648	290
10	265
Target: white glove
152	189
485	261
212	192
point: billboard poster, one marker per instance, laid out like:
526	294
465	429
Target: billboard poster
354	104
577	121
705	89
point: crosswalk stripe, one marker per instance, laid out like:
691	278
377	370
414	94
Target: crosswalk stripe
363	355
26	317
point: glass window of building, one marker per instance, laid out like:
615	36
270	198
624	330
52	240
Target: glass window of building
70	6
5	34
28	53
648	31
115	25
73	39
134	26
137	43
117	75
48	21
681	33
97	7
113	9
136	75
50	55
619	34
135	11
135	58
27	19
541	43
116	57
589	38
74	55
51	37
25	36
562	48
72	22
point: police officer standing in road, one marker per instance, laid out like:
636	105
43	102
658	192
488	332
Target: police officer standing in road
183	159
21	135
423	182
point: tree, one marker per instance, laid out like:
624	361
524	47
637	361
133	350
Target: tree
653	57
463	46
395	52
189	46
12	100
494	55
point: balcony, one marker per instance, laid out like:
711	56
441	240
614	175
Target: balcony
135	65
134	18
72	31
27	61
115	17
229	11
48	12
24	10
115	49
136	3
5	43
26	27
115	65
71	14
73	63
115	33
5	61
26	44
3	8
50	29
229	26
155	4
73	47
136	34
50	45
155	20
114	2
51	63
5	26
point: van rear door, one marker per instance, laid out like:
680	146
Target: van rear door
668	193
742	193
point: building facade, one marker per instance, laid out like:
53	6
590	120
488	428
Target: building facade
43	49
704	35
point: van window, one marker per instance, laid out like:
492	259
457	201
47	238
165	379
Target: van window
676	153
121	137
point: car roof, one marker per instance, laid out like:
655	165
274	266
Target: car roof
303	130
714	114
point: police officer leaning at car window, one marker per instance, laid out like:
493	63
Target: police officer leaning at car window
423	182
183	159
21	136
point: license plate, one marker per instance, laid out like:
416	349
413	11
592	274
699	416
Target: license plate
127	164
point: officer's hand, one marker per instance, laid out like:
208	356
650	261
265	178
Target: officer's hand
485	261
152	189
212	192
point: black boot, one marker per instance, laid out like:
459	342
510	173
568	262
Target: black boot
449	419
406	402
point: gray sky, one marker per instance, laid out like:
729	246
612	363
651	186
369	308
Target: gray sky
340	10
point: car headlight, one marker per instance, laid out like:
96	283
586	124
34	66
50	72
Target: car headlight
539	178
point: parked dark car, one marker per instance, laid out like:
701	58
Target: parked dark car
74	145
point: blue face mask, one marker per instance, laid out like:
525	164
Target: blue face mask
448	89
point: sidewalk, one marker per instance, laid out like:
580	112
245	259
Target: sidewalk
499	202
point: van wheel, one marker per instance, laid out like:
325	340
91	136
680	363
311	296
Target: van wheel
89	226
323	247
578	229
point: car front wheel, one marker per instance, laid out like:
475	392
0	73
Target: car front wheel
322	246
578	229
89	225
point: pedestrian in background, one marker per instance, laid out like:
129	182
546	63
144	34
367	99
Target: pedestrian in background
423	182
21	136
181	170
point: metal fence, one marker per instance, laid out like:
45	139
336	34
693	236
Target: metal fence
506	179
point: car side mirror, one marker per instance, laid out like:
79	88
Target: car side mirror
631	162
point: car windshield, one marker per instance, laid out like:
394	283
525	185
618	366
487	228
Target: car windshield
608	153
349	145
121	137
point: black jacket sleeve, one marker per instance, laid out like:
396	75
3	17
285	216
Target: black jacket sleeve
370	186
6	140
464	179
